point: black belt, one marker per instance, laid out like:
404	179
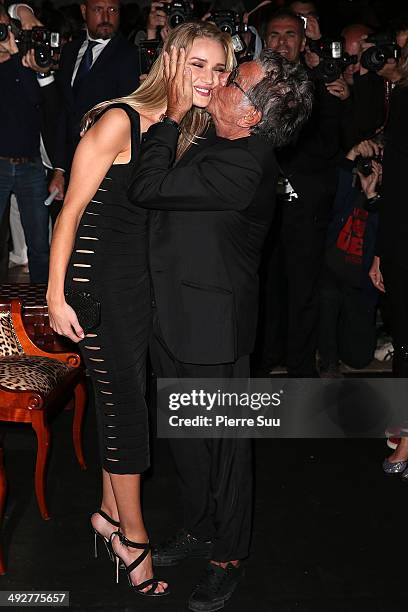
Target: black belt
19	160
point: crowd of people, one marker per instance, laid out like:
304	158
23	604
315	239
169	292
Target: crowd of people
186	157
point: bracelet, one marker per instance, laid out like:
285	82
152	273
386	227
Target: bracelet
374	198
169	121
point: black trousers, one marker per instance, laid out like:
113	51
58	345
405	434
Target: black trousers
215	475
303	238
272	334
396	287
346	324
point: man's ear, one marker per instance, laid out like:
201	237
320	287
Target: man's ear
83	11
252	117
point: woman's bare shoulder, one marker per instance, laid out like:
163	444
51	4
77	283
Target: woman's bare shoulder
113	126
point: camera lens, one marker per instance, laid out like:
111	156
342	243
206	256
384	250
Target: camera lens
329	70
226	27
42	55
176	19
373	59
3	32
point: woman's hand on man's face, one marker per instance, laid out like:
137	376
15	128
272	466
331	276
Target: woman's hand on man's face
179	84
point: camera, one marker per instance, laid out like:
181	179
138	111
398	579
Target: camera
46	44
178	11
333	59
365	164
385	47
228	21
233	24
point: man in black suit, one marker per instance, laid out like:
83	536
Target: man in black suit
100	66
213	212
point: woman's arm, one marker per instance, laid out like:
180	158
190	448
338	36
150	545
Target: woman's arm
95	154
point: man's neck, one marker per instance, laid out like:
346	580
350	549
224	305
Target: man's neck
99	40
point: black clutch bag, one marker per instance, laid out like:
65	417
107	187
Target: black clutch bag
87	308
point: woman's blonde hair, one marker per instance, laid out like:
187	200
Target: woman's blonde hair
151	95
403	66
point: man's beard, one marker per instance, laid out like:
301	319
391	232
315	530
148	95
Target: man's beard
106	35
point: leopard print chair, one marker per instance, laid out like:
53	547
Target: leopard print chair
34	385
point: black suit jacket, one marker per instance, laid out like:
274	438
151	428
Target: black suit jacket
215	206
392	239
365	110
114	74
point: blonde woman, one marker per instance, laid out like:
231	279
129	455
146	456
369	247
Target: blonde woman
100	247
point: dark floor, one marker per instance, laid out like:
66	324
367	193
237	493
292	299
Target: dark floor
328	527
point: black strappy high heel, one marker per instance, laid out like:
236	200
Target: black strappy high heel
106	541
151	582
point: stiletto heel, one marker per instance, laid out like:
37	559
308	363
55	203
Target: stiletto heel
106	541
146	549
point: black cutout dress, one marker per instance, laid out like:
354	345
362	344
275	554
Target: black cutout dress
110	261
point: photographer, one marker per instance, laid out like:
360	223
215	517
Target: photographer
371	78
366	108
21	169
165	15
389	271
310	170
347	298
308	11
157	21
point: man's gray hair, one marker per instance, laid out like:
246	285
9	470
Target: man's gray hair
284	96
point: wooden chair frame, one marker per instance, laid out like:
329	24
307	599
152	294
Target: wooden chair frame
35	408
3	491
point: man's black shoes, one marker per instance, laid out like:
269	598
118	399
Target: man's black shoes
215	588
181	546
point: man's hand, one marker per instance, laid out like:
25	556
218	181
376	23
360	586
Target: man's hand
28	60
27	18
312	60
57	182
9	46
339	88
157	18
313	28
179	84
370	183
365	148
363	47
376	276
4	54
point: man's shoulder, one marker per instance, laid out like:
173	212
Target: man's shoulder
250	147
122	46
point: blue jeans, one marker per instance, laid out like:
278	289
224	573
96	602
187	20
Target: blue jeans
27	181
